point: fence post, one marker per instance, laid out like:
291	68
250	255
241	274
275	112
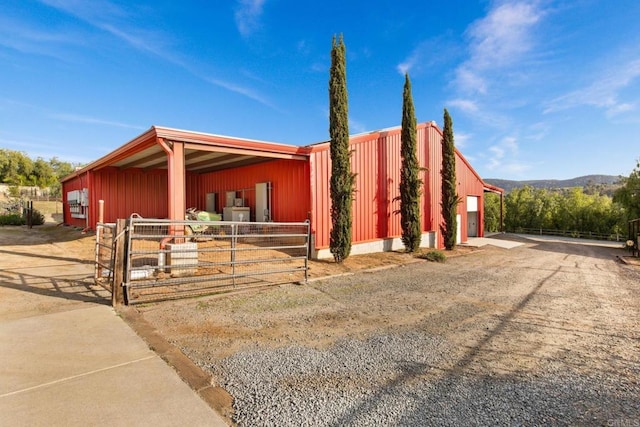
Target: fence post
117	292
30	213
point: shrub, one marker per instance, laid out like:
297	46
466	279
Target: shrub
436	256
12	219
36	218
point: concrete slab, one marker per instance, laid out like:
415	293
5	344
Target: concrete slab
483	241
571	240
87	367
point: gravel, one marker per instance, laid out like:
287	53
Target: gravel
399	380
545	334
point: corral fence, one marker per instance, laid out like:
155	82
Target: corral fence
166	259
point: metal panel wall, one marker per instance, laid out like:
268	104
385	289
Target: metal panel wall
289	181
377	162
77	183
469	184
131	191
124	192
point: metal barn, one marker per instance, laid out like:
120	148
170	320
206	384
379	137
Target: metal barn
164	171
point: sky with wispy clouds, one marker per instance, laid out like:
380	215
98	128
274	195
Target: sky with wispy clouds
537	89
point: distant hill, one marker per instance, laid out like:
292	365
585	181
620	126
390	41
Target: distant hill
581	181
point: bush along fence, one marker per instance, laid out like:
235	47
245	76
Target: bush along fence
20	213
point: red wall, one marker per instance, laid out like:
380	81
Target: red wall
289	181
300	189
469	184
376	161
124	192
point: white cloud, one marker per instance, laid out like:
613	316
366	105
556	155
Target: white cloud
112	19
503	35
464	105
462	139
500	39
239	89
356	126
428	53
503	155
248	15
604	92
93	120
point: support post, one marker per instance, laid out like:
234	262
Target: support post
117	292
101	211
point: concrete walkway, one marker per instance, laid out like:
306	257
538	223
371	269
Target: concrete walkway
87	367
495	240
479	242
68	359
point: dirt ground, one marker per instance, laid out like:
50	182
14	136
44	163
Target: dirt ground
539	301
504	312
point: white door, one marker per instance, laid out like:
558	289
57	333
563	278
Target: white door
472	216
472	224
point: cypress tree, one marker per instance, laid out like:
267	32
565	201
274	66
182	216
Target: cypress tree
342	179
410	183
450	198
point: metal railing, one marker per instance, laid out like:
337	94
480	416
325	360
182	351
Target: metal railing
615	237
173	259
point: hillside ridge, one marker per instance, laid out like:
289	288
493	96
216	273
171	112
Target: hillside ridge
580	181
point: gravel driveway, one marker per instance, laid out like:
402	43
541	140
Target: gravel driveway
547	333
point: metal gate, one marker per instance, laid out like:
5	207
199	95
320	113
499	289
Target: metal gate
172	259
105	255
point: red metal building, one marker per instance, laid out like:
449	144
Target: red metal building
163	171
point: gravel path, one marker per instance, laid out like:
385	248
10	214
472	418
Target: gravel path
396	380
543	334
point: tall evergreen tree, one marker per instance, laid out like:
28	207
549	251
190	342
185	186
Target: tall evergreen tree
410	183
450	198
342	179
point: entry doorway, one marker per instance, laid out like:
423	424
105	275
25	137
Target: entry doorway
472	216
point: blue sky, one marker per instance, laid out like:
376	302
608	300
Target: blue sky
536	89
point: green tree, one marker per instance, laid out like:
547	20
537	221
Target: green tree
492	212
16	168
628	196
43	174
410	182
342	179
566	210
61	170
450	197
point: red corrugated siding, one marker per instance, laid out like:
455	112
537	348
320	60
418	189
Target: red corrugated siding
469	184
377	162
124	192
320	173
78	183
289	180
131	191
